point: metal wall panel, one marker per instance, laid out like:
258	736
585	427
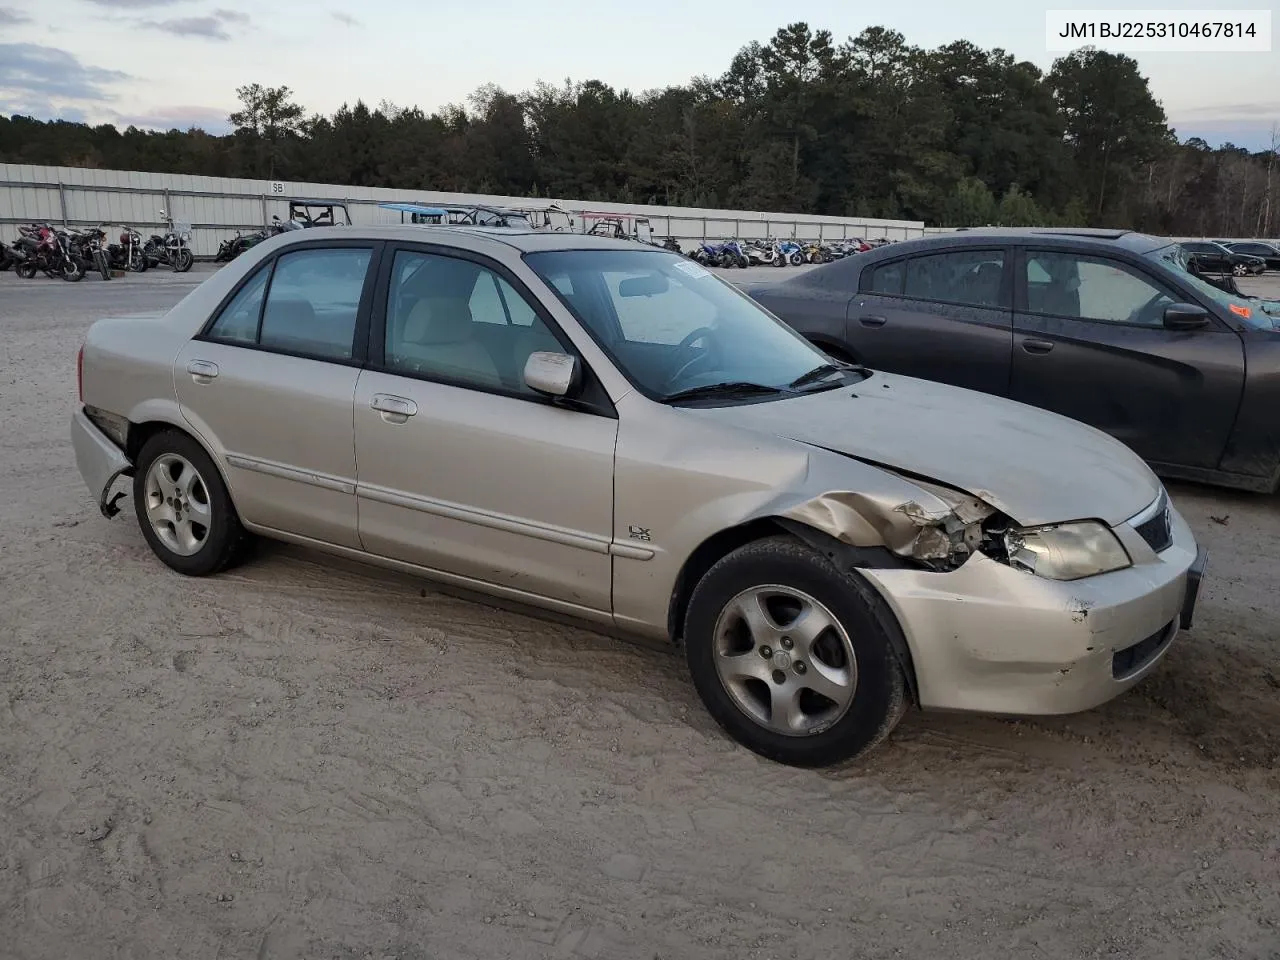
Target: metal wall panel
217	207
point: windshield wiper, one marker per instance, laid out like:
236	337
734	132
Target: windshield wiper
735	388
820	372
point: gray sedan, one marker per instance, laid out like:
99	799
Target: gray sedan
606	430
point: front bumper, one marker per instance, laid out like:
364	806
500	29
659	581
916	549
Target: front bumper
100	461
992	639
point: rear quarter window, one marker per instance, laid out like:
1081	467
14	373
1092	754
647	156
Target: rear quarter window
884	278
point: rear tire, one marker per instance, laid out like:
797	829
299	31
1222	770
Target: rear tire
183	507
793	658
26	270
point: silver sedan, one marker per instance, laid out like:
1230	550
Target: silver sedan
604	429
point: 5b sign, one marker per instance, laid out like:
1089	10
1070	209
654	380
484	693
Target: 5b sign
276	188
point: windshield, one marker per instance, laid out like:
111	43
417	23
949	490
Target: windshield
1251	311
671	326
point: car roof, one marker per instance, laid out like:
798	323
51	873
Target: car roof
473	237
1082	239
1066	237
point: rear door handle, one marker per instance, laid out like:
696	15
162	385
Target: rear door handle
202	371
870	320
1037	346
393	409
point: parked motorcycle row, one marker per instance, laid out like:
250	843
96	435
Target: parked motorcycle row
69	254
779	253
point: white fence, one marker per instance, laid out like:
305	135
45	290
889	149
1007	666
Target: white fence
216	207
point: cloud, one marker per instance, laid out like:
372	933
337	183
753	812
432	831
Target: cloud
183	117
12	17
37	77
345	19
1267	109
135	4
212	27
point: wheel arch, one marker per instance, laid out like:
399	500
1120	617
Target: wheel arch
844	557
140	432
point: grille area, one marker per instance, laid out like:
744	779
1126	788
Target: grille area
1158	531
1132	659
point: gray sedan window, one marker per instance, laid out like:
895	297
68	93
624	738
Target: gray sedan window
238	322
313	300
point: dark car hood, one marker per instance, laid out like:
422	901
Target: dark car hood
1035	466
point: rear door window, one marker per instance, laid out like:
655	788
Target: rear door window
304	302
968	277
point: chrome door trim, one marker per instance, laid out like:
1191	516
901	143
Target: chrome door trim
284	472
495	521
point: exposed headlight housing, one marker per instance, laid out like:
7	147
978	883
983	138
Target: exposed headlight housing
1066	551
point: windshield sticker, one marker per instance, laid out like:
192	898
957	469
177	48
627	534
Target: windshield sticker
689	268
1240	311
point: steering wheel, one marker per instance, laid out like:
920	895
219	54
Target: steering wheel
687	344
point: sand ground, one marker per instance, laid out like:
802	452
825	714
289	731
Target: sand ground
303	759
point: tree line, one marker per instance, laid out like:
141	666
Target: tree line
871	127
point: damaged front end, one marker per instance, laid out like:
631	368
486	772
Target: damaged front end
938	531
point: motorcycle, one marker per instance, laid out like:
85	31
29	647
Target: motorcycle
789	253
171	248
8	257
50	253
128	253
817	253
93	247
762	253
671	244
228	250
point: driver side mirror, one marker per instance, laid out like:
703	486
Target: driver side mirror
1185	316
552	374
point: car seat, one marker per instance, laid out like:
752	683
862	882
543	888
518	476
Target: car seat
439	336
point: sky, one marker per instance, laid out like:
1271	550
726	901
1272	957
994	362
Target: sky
165	63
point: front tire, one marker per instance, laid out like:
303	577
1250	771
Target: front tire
793	658
182	260
183	507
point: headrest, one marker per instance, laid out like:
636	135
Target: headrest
438	320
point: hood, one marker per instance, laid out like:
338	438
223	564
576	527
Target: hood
1037	467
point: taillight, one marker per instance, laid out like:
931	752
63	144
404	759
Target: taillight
80	373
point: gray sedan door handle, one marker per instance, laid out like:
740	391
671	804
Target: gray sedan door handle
1037	346
202	371
868	320
393	409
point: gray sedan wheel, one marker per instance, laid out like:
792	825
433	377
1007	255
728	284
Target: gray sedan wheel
796	659
177	504
785	659
183	507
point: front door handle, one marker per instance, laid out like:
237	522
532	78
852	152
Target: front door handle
1037	346
870	320
202	371
393	409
